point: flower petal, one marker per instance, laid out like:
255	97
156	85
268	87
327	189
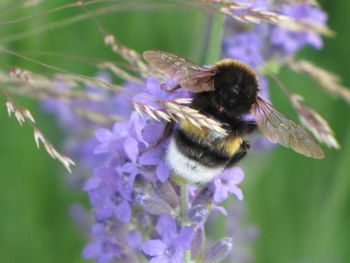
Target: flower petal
166	228
221	191
236	191
184	239
220	209
152	156
154	247
131	148
105	257
103	135
160	259
162	171
134	239
123	211
92	250
238	175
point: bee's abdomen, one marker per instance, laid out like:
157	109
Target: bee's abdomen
200	150
200	160
193	161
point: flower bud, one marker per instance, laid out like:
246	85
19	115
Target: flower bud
153	205
166	192
197	214
204	197
197	243
219	250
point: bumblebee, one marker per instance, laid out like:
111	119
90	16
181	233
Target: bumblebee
226	92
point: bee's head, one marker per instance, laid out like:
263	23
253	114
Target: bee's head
236	86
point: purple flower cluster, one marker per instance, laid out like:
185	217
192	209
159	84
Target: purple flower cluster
131	188
257	44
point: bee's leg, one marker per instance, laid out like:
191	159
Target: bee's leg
241	152
172	89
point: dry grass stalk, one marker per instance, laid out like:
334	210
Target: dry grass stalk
130	55
21	75
65	160
327	80
45	90
23	82
314	122
308	2
119	72
174	110
97	117
185	112
255	15
31	3
40	93
24	115
310	118
151	111
76	80
248	14
308	25
133	57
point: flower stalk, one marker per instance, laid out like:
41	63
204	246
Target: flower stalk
183	212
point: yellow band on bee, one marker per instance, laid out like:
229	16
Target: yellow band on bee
229	144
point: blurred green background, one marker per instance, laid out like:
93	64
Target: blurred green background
301	206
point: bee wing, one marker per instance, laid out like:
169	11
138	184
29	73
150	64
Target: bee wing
189	75
279	128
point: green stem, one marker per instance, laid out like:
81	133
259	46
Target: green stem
184	202
187	256
183	213
215	39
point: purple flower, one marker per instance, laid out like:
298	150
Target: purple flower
110	194
170	246
246	47
292	41
105	248
128	134
261	143
153	87
264	87
155	157
227	183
